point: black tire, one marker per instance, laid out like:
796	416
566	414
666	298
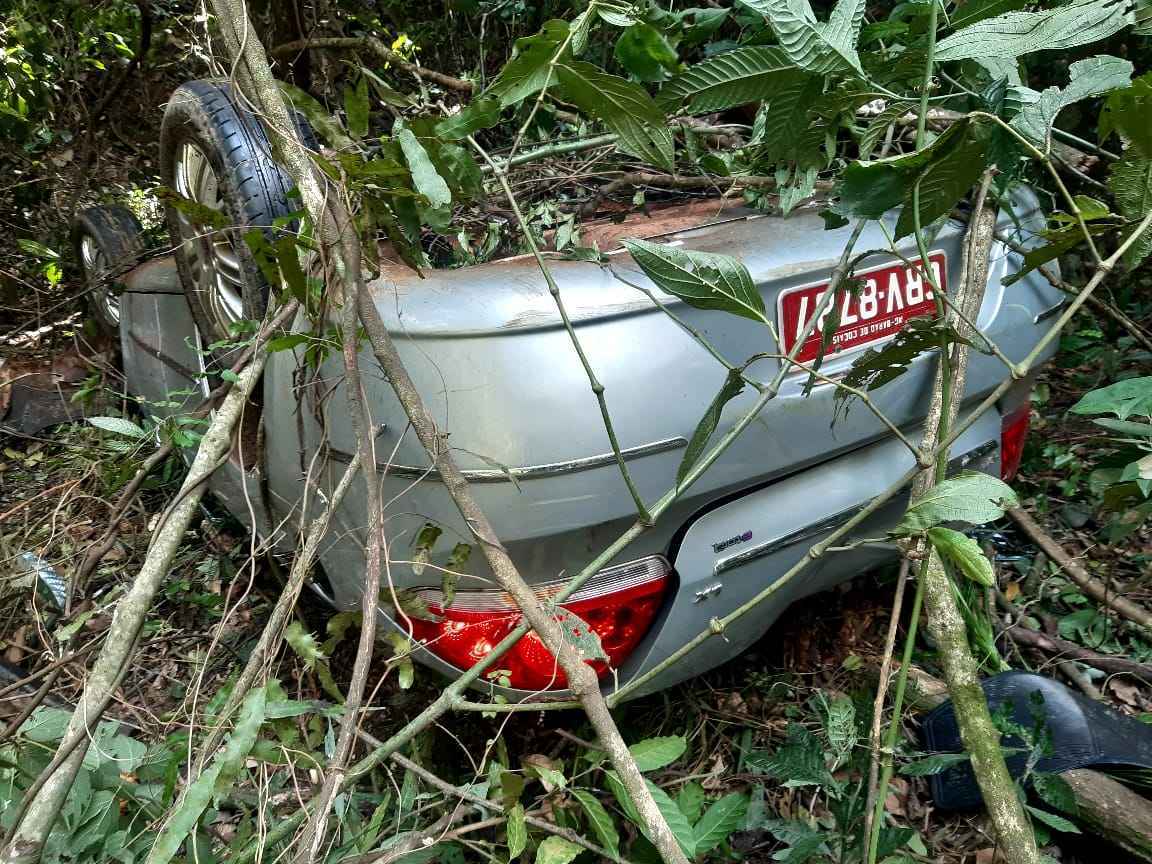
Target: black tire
251	190
107	242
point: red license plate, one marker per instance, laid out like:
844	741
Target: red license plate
892	294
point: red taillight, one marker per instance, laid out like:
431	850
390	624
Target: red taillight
619	604
1013	432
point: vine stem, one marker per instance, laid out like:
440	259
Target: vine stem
554	290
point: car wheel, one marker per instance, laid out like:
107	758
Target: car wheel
216	154
107	242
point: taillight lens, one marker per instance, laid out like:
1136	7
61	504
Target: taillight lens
618	603
1013	432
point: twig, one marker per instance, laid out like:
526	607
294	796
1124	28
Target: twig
1087	583
464	795
554	290
881	696
382	51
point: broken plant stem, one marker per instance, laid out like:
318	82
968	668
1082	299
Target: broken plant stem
361	422
554	290
881	694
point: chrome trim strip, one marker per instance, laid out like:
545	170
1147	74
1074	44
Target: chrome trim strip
792	537
527	472
1050	312
824	525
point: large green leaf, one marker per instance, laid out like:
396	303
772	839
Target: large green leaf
425	177
600	820
356	107
646	53
1092	77
814	45
719	820
701	279
749	74
672	814
945	170
786	133
1131	185
972	497
733	386
557	850
1016	33
964	553
1126	112
651	754
529	69
319	118
623	106
517	832
481	113
1132	396
197	797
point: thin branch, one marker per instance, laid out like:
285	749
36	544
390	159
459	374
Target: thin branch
554	290
382	51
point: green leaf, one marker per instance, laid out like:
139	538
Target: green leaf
600	820
288	263
197	797
701	279
385	91
303	643
425	177
840	729
1092	77
937	763
528	70
1132	396
580	635
324	123
1126	113
719	820
733	386
1056	823
517	832
946	169
402	649
37	250
1131	185
879	366
651	754
675	818
814	45
1060	241
798	762
964	553
482	113
623	106
691	801
557	850
1016	33
1125	427
972	497
1054	791
118	426
878	126
356	107
645	52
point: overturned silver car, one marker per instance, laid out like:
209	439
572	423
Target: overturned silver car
488	350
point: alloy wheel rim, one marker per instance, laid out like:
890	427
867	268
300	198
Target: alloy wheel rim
95	265
210	253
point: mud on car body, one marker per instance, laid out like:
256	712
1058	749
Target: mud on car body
489	352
